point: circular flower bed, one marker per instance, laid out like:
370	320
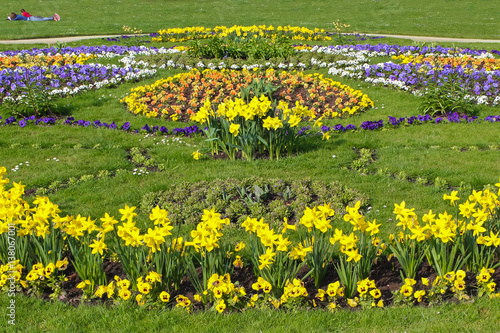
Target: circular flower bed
178	97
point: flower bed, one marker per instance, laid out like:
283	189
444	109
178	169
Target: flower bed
64	80
192	33
462	252
180	96
475	72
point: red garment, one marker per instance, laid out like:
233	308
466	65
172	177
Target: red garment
26	14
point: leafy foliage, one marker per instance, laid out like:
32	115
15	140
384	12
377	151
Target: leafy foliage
272	199
242	48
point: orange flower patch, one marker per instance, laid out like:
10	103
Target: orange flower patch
188	91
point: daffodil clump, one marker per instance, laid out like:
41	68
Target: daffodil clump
252	127
179	97
206	250
469	237
359	249
176	35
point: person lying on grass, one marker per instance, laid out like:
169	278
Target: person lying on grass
15	17
28	15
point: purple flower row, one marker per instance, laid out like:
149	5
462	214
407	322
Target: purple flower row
103	49
14	81
161	130
418	75
413	120
121	50
190	130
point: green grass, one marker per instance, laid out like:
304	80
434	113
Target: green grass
33	315
465	19
427	150
454	152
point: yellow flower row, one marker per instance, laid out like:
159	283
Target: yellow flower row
261	31
41	60
438	62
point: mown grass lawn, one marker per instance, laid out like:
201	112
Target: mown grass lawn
90	171
461	19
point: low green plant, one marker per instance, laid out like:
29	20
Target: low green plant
284	198
34	99
444	97
251	47
410	254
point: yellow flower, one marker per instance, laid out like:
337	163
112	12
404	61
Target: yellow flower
460	275
452	197
62	264
165	297
84	284
197	155
221	306
331	306
49	269
273	123
234	129
240	246
101	290
140	300
459	284
124	294
406	290
375	293
98	246
419	294
352	302
127	213
238	263
450	276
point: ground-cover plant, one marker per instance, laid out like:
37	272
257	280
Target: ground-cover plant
180	96
271	199
442	98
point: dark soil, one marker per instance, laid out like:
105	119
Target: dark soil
386	275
